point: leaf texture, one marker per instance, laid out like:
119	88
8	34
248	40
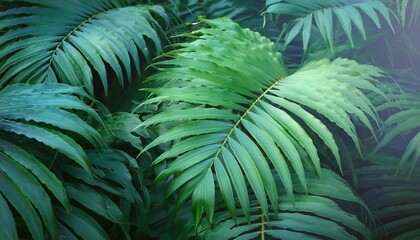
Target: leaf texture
74	41
322	15
254	115
36	112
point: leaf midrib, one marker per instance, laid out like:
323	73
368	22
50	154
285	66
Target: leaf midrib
262	95
71	32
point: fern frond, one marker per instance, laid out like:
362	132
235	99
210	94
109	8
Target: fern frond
403	120
250	118
323	14
322	213
36	112
74	41
394	201
112	196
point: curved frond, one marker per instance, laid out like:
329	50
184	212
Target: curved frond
393	199
36	113
74	41
111	195
322	15
323	213
404	121
246	115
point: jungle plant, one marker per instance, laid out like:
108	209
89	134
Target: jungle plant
190	119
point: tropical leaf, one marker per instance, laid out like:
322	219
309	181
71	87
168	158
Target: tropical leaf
118	128
36	113
240	11
112	195
245	115
74	41
320	214
322	15
409	10
392	199
403	121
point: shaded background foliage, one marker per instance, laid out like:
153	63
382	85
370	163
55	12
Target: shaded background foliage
240	133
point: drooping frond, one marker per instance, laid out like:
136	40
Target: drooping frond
24	186
404	121
37	113
74	41
244	116
322	15
393	199
321	214
111	195
409	11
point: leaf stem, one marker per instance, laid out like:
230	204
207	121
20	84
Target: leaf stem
246	113
53	161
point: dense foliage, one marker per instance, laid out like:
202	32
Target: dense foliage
190	119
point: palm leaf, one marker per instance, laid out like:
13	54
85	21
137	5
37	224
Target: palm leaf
409	10
93	37
249	123
27	108
112	195
319	214
35	113
118	129
322	15
403	121
392	199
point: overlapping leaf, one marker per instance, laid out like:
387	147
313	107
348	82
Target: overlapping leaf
393	199
320	214
404	120
115	178
409	11
118	129
74	41
36	112
245	116
321	14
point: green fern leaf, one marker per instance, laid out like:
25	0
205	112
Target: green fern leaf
392	199
37	112
89	36
323	13
239	80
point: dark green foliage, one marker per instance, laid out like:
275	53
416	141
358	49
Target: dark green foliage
277	119
74	41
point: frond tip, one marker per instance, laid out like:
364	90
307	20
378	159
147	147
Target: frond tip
320	15
254	116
